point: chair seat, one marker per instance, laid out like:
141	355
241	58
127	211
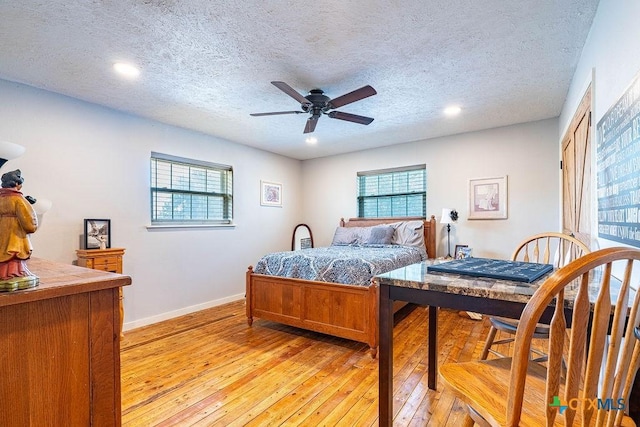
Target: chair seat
484	386
553	248
510	325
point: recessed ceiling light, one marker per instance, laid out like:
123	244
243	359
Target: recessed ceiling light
311	140
126	70
452	111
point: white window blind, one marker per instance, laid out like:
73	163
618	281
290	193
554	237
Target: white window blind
186	191
397	192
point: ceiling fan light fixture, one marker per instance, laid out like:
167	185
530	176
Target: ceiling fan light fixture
127	70
311	140
453	110
317	103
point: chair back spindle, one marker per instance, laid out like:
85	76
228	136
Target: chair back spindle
553	248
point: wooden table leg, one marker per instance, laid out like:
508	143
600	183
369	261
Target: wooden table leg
433	348
385	356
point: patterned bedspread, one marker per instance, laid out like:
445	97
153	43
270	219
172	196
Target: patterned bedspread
352	265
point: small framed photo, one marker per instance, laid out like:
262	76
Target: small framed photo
458	250
97	233
462	252
488	198
270	193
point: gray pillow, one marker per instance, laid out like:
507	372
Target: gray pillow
409	233
376	235
345	236
381	235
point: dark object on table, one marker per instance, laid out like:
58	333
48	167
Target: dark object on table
494	269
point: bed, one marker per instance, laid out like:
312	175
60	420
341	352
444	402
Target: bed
343	310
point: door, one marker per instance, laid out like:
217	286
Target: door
576	173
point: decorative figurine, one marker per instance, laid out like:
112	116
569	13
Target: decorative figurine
103	241
17	220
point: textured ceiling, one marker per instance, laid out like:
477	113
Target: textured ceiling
206	65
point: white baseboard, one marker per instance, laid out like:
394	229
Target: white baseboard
171	314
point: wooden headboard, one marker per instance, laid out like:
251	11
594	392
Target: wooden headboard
429	228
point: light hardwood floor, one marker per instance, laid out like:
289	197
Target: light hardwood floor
211	369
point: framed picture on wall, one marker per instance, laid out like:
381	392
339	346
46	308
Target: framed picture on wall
270	193
488	198
97	233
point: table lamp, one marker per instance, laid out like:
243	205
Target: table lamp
449	216
9	150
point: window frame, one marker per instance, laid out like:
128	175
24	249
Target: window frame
227	194
360	199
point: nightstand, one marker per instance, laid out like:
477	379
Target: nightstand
105	260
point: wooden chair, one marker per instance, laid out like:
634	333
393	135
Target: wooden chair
518	392
546	248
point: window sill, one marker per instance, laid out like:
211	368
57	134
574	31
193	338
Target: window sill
187	226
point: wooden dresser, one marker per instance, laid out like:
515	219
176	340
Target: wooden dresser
105	260
60	348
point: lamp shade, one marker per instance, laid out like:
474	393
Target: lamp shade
41	206
446	216
9	150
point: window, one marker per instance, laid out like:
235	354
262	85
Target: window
185	191
395	192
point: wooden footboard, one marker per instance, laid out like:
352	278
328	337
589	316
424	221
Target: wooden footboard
344	311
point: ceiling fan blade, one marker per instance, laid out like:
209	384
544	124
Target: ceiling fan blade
276	112
291	92
350	117
354	96
311	124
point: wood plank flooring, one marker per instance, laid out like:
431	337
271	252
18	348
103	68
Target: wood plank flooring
211	369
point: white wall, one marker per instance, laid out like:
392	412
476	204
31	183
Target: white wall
527	153
93	162
611	54
612	50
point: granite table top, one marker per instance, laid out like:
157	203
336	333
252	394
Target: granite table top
416	276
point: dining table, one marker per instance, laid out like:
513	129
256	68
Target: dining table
417	284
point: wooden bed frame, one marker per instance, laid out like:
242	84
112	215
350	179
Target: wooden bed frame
344	311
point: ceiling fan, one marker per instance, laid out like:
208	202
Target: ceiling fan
317	103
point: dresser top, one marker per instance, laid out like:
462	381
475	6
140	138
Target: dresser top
88	253
58	279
